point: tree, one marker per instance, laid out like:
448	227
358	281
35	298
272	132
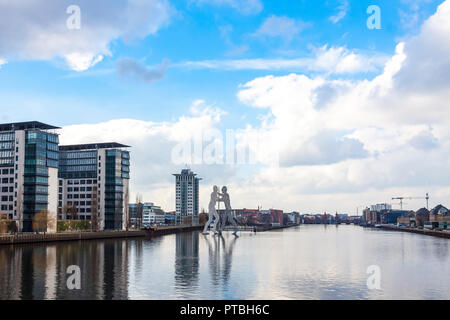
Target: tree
139	211
70	209
3	222
203	218
126	209
187	220
42	220
12	227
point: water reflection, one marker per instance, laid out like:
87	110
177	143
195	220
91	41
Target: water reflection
187	260
220	258
39	271
309	262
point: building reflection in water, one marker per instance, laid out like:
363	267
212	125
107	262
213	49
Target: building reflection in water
220	258
186	260
39	271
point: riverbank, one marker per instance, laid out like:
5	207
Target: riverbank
425	232
77	236
67	236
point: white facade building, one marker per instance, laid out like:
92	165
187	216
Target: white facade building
152	215
187	196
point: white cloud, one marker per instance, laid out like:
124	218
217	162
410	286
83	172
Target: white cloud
151	146
82	62
37	30
283	27
246	7
340	138
2	62
333	60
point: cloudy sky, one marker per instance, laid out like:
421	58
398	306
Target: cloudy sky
353	116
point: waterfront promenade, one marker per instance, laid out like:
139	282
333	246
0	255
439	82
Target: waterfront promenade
433	233
75	236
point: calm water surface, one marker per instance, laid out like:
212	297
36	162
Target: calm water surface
308	262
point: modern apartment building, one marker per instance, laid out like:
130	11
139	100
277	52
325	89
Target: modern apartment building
152	215
187	196
29	172
94	183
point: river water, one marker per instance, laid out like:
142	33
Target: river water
306	262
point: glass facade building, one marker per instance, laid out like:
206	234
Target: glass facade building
95	173
29	159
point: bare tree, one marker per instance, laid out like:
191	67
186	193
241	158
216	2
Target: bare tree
126	209
42	220
139	211
20	208
94	210
3	222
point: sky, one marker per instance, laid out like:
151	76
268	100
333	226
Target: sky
334	115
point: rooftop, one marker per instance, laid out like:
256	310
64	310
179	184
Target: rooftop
185	172
106	145
26	126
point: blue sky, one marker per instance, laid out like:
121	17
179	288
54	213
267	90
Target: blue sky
350	111
200	31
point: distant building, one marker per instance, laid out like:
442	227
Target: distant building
380	207
440	214
244	216
383	216
277	217
187	197
152	215
293	218
171	217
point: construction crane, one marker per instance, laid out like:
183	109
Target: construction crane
427	197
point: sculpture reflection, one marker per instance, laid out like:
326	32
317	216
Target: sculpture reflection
220	259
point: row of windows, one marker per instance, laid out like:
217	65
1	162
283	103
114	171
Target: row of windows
79	196
35	162
77	155
52	155
7	180
52	147
6	146
6	154
79	203
7	162
7	207
76	182
36	180
74	162
52	138
7	171
82	189
7	136
78	168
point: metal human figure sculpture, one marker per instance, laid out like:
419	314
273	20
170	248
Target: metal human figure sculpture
212	212
228	216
